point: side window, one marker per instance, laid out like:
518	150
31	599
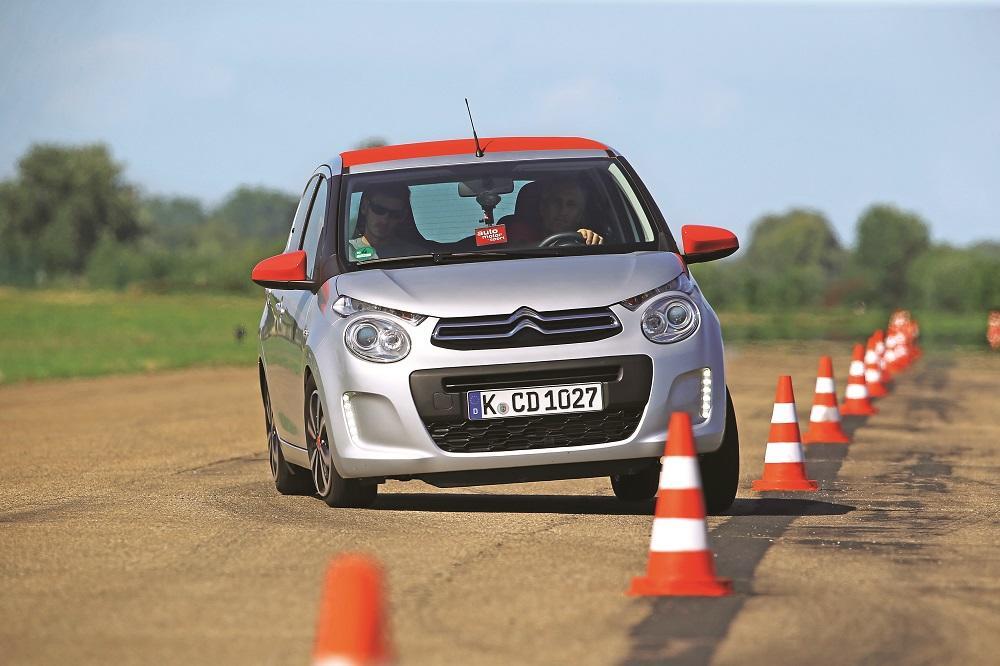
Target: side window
298	222
314	227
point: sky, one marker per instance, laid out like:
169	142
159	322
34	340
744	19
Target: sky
728	111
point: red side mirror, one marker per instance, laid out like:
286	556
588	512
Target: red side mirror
282	271
704	243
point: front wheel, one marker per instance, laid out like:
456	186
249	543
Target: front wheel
330	486
720	469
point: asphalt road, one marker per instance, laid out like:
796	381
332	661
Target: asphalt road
138	524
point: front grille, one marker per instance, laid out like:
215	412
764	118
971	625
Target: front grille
526	328
535	432
495	381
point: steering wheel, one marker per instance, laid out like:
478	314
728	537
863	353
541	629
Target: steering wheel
563	239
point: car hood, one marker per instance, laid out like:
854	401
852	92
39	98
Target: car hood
501	287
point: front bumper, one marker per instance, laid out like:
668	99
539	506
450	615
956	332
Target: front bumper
383	427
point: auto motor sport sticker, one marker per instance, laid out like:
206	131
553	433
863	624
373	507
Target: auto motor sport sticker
491	235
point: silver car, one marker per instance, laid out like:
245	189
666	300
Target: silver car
466	313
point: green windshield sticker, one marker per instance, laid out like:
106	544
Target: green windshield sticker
362	253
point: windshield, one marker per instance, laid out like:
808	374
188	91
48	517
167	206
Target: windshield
490	210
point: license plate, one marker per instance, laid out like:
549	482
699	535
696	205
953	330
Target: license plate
564	399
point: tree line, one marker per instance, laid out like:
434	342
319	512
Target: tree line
795	259
69	217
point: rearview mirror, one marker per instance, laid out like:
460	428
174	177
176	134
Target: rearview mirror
486	185
282	271
704	243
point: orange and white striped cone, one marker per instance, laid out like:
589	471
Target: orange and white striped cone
993	329
899	352
856	402
902	353
784	460
824	418
873	371
680	562
890	354
351	626
883	364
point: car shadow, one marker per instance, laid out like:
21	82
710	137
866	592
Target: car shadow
503	503
590	505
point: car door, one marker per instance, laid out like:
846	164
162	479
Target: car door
301	305
281	353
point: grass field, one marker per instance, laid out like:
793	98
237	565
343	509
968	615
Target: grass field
50	334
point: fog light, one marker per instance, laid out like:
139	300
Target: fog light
349	418
706	393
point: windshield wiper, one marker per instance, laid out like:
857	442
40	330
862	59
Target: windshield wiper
444	258
395	260
497	254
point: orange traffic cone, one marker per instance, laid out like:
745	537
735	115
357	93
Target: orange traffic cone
883	362
784	461
873	371
824	419
351	627
680	563
856	402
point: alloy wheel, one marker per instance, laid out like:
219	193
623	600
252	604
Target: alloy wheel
273	444
320	461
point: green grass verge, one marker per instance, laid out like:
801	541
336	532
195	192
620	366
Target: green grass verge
48	334
938	330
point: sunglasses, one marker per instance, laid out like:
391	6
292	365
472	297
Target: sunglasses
395	213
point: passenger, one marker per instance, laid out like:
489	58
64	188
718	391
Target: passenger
386	227
562	208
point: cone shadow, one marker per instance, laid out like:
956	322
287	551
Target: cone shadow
850	424
689	629
786	506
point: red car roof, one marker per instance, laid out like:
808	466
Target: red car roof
461	146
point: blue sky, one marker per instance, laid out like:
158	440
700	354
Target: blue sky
728	111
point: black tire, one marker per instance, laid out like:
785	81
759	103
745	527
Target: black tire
720	470
288	479
638	486
327	482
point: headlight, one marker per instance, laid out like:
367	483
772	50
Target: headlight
376	339
670	319
346	306
681	283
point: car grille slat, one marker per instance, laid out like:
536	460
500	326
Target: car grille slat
501	380
526	328
535	432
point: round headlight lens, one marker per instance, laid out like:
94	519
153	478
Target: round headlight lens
677	315
392	341
366	336
653	323
670	319
376	339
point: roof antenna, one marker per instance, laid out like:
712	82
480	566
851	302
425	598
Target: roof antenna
479	150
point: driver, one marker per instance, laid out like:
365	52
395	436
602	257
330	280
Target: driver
385	225
561	209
